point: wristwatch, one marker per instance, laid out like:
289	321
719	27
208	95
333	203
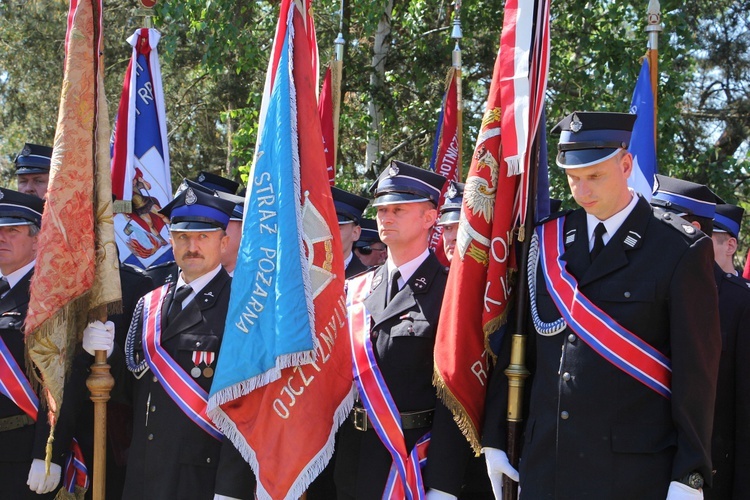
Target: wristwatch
694	480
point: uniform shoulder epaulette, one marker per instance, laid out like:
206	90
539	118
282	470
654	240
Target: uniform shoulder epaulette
130	268
738	281
160	266
553	216
362	272
685	228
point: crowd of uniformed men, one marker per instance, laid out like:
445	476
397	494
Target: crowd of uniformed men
639	349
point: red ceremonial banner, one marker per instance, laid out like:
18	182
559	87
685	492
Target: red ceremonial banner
325	110
476	300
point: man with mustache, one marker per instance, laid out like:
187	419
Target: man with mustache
172	350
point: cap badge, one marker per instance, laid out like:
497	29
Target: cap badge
190	197
2	195
26	151
393	170
575	124
201	177
452	191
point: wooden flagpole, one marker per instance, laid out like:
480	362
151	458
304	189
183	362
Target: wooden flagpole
457	35
653	28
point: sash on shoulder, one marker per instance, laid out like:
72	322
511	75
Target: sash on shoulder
597	329
405	477
14	384
184	391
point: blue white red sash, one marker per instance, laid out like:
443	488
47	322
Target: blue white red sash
405	477
14	384
76	472
603	334
184	391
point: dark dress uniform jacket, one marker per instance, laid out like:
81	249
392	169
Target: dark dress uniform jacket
18	447
403	336
171	457
730	446
355	267
593	431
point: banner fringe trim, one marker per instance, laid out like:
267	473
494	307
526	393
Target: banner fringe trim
460	415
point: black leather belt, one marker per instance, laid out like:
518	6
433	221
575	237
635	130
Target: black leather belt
409	419
15	422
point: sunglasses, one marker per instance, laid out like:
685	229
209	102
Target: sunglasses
369	249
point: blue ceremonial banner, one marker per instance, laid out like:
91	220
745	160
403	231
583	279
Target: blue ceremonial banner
643	142
270	395
269	312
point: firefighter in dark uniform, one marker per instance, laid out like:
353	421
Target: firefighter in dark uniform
23	431
32	169
368	248
175	453
476	483
624	340
349	208
730	447
403	301
450	214
166	272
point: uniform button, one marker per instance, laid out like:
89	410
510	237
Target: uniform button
150	437
730	275
571	338
627	295
566	376
564	415
154	379
208	460
153	408
197	343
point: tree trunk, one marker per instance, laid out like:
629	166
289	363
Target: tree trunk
377	78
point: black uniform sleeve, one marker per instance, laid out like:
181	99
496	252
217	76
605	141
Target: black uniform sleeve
742	406
695	339
448	453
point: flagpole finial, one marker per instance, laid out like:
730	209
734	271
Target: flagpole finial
456	33
654	16
339	42
147	11
653	26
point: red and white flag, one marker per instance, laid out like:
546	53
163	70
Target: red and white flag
141	181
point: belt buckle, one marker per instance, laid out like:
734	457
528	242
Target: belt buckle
360	419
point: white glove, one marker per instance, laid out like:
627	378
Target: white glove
679	491
39	481
433	494
99	336
497	466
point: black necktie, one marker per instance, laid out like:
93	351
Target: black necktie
4	285
598	240
393	290
181	294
